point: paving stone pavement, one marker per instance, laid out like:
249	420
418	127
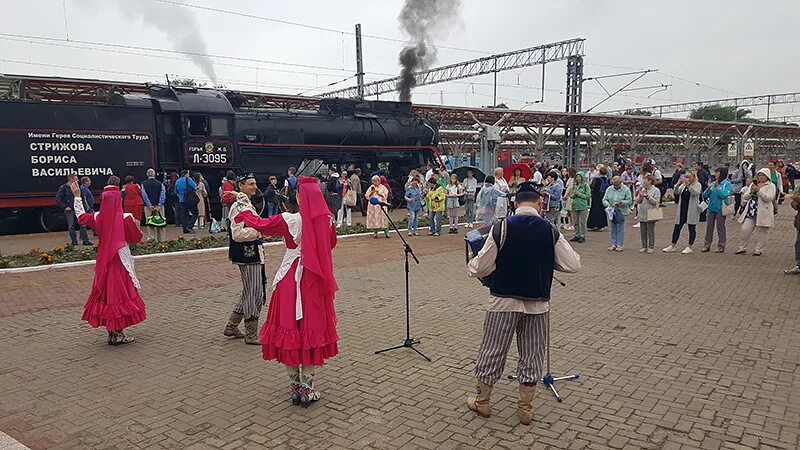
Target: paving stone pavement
675	351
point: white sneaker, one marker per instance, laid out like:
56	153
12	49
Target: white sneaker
670	249
687	250
619	249
637	225
642	250
612	248
649	250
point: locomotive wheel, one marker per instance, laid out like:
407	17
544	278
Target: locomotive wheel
52	219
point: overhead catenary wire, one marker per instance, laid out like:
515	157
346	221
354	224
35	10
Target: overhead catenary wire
167	51
156	76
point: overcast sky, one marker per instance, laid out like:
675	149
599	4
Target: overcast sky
704	49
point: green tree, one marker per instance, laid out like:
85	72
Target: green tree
637	112
722	113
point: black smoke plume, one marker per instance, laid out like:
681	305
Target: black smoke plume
421	20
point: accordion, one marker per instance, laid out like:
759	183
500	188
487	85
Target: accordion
475	239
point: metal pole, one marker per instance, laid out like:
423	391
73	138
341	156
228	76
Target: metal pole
359	63
541	98
769	100
494	99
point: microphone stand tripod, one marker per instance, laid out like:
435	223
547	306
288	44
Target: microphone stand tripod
548	379
409	341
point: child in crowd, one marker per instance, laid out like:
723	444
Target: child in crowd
436	200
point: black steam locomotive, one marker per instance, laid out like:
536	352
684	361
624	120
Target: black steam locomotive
174	128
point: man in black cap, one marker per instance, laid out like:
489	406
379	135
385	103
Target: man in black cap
520	271
246	252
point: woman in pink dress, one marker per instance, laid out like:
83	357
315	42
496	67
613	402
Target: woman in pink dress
300	329
114	301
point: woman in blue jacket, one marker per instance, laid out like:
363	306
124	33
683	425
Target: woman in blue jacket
716	195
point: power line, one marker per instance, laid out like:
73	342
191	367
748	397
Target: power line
303	25
697	83
155	76
161	50
173	58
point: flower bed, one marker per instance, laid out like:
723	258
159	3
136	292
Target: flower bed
70	253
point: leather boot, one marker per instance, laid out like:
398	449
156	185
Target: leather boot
232	328
251	331
524	406
480	403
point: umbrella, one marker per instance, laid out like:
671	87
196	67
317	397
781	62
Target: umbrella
508	171
461	173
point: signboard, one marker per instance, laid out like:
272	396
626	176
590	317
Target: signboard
732	150
749	148
209	153
40	160
42	143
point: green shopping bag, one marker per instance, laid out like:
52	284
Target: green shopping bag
156	220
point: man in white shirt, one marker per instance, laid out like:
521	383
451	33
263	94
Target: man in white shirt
470	188
519	297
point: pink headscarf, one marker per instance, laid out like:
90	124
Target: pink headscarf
318	234
111	230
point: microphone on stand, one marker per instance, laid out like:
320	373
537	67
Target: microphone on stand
375	201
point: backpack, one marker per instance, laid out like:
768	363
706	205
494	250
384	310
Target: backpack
291	189
228	195
190	196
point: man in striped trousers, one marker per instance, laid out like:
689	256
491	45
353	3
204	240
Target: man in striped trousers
246	252
518	271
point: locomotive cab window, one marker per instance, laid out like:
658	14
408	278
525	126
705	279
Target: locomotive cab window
219	126
197	125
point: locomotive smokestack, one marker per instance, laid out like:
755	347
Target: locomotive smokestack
181	27
420	19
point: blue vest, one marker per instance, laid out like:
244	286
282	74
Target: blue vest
526	260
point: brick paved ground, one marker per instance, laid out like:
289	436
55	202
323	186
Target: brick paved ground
697	351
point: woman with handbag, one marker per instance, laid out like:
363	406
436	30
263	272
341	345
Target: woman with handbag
618	198
717	196
345	213
758	215
648	212
688	193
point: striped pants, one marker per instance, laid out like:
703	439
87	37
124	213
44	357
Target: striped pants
498	328
253	293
